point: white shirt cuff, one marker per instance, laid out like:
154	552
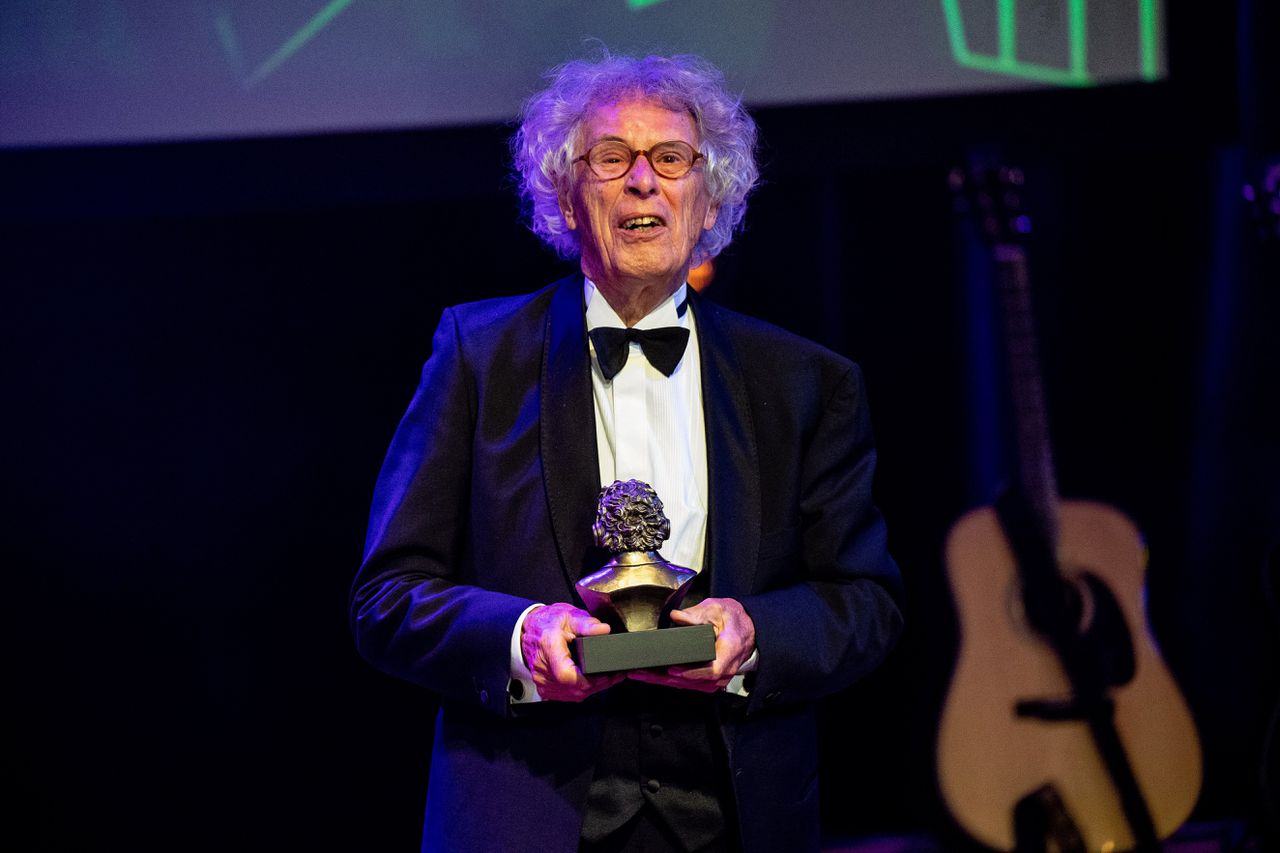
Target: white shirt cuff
736	685
521	689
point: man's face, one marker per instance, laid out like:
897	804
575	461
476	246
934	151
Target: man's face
640	229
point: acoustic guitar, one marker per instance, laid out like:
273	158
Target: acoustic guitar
1063	728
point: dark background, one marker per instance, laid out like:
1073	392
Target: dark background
207	347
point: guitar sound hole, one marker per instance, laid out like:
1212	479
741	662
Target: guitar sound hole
1078	607
1079	601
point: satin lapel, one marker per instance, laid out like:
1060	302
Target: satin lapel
567	429
733	480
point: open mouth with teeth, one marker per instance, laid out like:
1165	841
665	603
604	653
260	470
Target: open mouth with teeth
642	223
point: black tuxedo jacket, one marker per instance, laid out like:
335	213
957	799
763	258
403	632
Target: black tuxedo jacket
485	503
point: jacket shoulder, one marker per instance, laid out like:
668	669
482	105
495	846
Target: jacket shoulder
503	337
499	313
757	341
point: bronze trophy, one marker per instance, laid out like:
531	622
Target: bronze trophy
636	589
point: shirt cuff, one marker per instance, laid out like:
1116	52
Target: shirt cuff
521	689
737	684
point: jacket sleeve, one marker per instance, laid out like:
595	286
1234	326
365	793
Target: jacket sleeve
841	617
411	613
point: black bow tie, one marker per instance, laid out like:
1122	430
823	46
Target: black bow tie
663	347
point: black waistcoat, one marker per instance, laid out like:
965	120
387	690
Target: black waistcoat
661	747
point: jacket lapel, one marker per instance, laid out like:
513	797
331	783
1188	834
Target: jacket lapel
733	483
567	429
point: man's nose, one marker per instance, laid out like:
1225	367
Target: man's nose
642	180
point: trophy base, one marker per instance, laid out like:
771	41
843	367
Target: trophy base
645	649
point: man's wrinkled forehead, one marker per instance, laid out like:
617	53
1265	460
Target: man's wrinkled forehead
585	133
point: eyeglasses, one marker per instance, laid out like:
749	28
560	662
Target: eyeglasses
611	159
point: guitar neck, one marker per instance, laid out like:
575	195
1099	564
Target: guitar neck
1033	460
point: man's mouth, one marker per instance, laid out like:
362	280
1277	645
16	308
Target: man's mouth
641	223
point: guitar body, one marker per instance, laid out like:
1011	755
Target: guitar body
990	757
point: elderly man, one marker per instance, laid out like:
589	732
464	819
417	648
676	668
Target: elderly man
757	441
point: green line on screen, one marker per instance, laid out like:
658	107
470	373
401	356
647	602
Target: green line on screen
1147	33
640	4
230	42
955	31
1027	71
1078	40
295	42
1008	24
1077	71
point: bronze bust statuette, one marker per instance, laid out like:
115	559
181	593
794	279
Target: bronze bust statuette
636	589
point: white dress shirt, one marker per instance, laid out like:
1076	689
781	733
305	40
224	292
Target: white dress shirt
649	427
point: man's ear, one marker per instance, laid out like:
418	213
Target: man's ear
566	211
713	212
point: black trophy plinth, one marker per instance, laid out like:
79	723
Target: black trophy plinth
645	649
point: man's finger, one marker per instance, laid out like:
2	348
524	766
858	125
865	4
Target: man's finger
695	615
671	680
705	612
587	626
561	665
596	683
698	673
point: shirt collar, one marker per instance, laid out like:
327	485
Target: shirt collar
601	313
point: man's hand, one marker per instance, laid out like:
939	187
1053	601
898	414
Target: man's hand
544	643
735	641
